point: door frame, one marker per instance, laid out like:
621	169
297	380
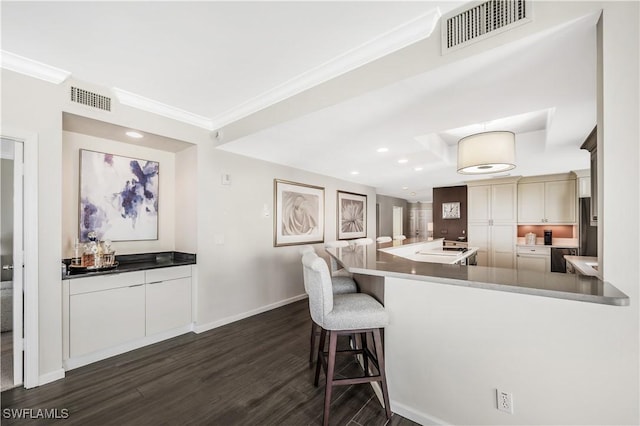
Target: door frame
29	142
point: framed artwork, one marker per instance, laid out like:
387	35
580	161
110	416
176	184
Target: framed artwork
352	215
299	217
118	197
451	210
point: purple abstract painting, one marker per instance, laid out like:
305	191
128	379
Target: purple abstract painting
118	197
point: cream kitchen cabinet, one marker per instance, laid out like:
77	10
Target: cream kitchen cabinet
531	258
492	215
547	201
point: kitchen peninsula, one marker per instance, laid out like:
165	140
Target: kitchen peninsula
449	335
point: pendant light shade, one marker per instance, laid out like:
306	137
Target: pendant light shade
489	152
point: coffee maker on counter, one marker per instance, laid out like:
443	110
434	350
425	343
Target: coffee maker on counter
547	237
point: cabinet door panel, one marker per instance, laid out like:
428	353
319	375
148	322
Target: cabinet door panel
103	319
168	305
503	203
478	236
479	203
560	201
531	202
503	239
532	263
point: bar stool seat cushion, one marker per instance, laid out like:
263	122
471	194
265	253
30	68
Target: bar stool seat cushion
343	285
355	311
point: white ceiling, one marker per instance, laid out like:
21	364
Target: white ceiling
208	58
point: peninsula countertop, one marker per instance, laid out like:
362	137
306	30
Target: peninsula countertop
369	260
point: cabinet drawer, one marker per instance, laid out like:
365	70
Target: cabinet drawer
164	274
105	282
540	251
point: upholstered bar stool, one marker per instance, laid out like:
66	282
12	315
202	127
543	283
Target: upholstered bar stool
340	285
346	314
362	241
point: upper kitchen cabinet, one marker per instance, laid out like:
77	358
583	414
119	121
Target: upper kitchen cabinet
549	199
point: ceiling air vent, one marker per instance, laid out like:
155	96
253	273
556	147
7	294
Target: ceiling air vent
91	99
461	28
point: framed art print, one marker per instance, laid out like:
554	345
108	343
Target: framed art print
352	215
299	217
118	197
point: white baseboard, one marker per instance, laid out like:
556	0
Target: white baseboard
416	416
228	320
51	377
83	360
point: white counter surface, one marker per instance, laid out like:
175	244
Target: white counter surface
584	265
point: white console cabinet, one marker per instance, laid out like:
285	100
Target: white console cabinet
111	314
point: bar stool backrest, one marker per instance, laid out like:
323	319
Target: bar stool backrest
319	288
336	244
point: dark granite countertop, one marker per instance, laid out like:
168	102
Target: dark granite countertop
136	262
368	260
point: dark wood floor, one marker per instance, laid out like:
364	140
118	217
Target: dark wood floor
252	372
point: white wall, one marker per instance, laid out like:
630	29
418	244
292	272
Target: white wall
72	143
186	200
34	106
239	269
565	362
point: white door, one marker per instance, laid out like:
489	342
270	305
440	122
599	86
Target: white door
397	221
13	151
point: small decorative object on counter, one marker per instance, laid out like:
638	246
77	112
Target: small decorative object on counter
76	260
97	255
530	238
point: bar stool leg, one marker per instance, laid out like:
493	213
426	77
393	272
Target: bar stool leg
323	335
313	343
331	363
365	358
383	376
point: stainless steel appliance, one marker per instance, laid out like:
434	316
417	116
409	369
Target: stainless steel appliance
558	263
588	233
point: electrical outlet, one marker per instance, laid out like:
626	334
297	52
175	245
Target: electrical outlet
504	401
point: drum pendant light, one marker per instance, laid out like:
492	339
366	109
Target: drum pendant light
488	152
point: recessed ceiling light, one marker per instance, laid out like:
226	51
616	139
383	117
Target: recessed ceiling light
382	149
134	135
403	160
405	187
417	169
413	194
355	172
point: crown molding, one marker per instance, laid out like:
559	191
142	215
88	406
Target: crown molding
26	66
136	101
395	39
